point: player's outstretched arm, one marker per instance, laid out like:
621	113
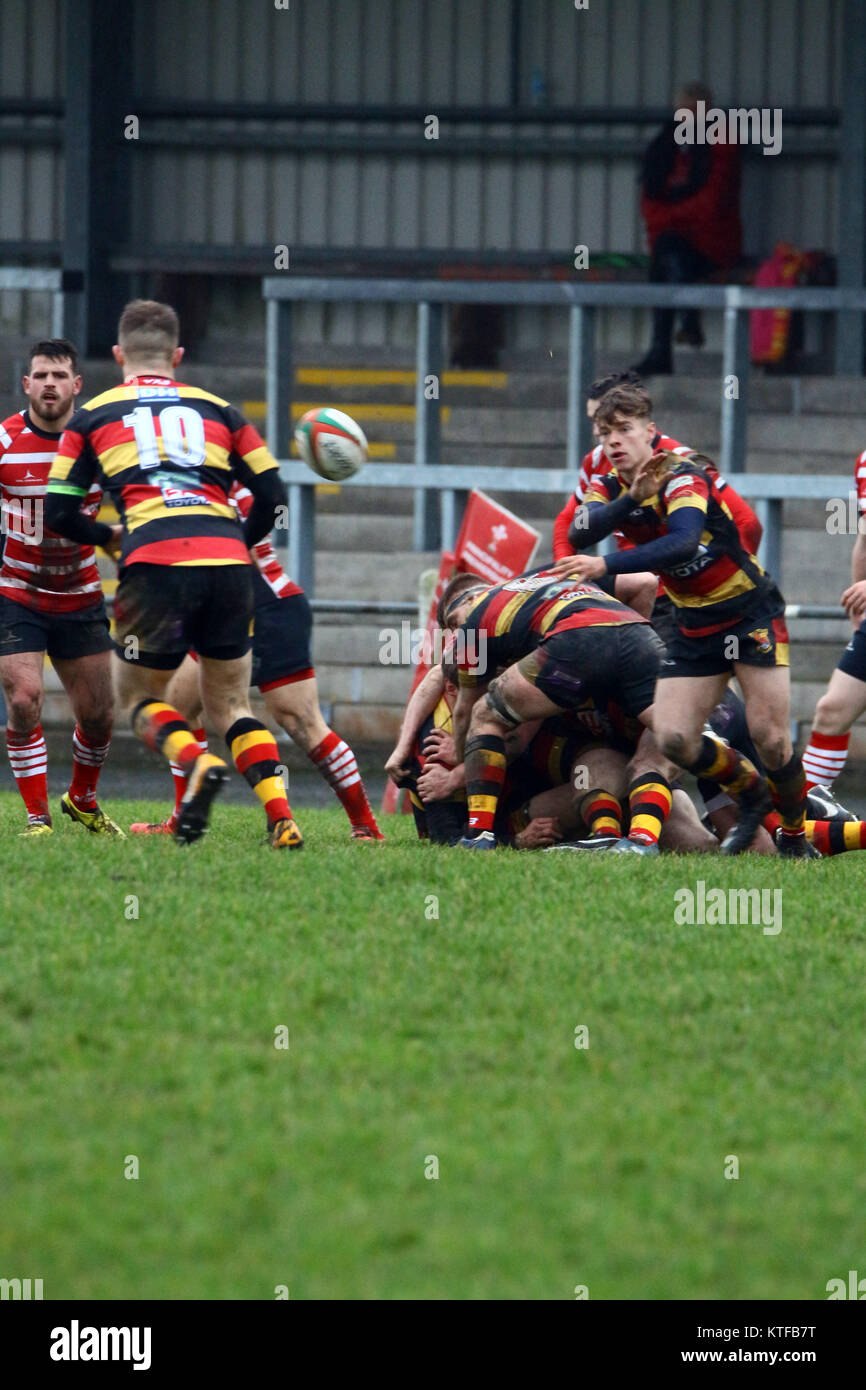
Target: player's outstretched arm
595	520
421	702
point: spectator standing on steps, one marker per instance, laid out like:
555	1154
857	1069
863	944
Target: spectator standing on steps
690	202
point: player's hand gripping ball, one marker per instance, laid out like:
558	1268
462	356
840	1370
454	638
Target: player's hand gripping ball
331	443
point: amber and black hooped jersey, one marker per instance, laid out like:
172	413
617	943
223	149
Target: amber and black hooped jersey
167	454
722	583
512	619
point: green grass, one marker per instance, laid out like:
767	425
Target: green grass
413	1036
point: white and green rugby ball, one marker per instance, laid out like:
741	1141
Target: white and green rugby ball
331	443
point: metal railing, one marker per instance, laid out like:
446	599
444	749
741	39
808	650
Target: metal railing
440	490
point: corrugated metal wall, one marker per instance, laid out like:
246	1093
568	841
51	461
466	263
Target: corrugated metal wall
623	52
31	178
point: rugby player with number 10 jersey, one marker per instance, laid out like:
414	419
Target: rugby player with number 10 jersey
168	453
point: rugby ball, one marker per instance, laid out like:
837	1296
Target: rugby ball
331	443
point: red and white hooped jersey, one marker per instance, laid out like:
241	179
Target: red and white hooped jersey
264	554
40	569
860	481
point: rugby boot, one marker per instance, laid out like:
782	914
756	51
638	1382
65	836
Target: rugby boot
165	827
209	775
821	804
34	828
485	840
285	834
594	842
96	820
752	807
366	832
629	846
795	846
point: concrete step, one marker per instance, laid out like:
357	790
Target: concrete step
365	576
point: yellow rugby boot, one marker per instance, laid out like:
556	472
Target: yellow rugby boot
34	828
285	834
96	820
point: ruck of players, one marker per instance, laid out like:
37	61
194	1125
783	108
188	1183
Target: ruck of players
603	679
573	708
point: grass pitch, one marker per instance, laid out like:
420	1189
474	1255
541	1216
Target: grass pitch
412	1038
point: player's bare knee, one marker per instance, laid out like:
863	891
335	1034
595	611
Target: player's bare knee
676	746
773	744
487	719
830	718
25	707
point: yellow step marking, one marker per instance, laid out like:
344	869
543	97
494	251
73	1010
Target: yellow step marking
359	410
393	376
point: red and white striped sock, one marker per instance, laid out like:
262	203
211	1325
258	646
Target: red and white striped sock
179	773
336	762
28	758
87	759
825	758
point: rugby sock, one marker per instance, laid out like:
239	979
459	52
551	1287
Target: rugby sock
165	730
485	777
824	758
788	789
601	813
254	751
718	763
179	773
28	758
87	759
835	836
336	762
649	800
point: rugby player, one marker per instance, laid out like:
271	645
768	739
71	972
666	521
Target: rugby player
283	671
168	453
730	615
51	602
557	641
596	463
845	697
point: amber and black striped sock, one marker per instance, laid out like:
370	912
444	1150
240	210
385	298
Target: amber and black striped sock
601	813
724	765
484	762
836	836
788	790
254	751
165	730
649	800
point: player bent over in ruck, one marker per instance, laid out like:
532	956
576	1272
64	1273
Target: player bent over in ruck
555	642
730	615
168	453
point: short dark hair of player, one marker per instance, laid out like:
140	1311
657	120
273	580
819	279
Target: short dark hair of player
624	403
607	383
460	584
55	349
148	329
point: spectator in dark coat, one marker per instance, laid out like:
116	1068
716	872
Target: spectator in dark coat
690	202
